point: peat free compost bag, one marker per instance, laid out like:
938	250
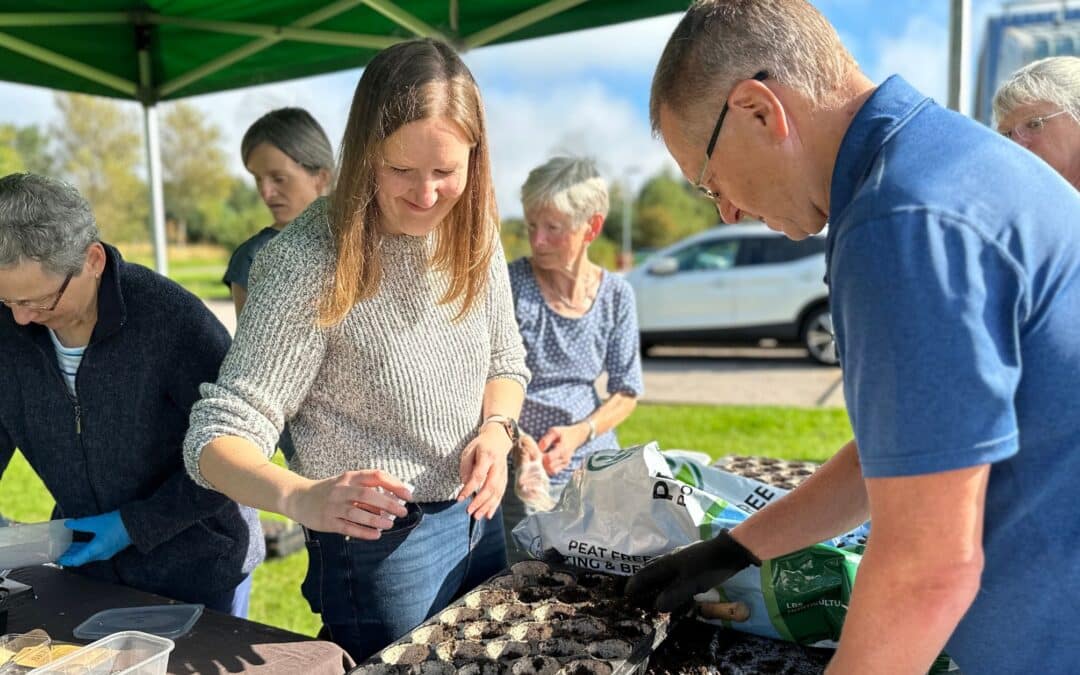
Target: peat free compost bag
625	507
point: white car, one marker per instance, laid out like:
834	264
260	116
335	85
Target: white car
736	284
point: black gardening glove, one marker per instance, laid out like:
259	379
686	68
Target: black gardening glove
671	581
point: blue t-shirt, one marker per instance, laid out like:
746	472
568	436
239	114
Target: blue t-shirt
244	255
954	273
566	357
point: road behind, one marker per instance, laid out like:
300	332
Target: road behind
714	375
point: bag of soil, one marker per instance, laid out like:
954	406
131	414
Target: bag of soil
624	507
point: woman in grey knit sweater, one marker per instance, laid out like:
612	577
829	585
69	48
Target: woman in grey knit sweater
380	323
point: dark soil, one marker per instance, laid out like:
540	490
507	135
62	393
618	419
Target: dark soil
695	648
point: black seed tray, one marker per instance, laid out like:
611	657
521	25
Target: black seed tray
538	619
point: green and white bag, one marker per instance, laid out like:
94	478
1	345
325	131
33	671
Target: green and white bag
627	506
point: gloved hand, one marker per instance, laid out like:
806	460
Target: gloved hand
531	482
110	537
670	582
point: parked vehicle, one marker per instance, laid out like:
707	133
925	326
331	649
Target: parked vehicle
736	284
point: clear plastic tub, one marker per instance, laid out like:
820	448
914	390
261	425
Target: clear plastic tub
34	544
126	653
167	621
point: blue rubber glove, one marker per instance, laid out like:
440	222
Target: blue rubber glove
110	537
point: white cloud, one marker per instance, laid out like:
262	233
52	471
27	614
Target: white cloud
584	118
920	54
24	105
632	47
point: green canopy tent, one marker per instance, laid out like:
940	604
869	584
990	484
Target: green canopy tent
159	50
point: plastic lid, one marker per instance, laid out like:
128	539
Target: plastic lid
167	621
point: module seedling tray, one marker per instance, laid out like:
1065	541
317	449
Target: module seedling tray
540	619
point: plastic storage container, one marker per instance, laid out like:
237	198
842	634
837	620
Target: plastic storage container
127	653
167	621
34	544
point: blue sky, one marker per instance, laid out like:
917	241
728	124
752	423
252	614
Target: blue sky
584	92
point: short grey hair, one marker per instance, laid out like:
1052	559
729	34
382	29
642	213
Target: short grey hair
719	43
44	220
570	185
1053	80
296	133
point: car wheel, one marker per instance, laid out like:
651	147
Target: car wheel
817	336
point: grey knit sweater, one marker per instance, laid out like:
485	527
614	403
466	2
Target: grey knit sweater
397	385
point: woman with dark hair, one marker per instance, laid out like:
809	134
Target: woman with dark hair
380	323
290	158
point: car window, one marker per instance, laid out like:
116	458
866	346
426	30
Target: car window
774	250
717	254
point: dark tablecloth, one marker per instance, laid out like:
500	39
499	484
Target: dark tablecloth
218	643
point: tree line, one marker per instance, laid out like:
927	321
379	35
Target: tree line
97	145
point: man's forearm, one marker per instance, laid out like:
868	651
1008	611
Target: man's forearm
902	613
829	503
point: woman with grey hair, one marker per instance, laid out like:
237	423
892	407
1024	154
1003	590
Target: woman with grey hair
1039	108
577	321
292	161
102	361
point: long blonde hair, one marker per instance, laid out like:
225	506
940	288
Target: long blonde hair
410	81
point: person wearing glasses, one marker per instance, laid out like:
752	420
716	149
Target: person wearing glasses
954	278
101	362
1039	108
577	321
380	323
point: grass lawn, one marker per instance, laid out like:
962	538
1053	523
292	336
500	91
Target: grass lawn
788	433
198	268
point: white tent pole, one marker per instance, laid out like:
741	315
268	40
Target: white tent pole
157	195
959	39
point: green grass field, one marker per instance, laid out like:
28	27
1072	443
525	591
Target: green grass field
197	268
788	433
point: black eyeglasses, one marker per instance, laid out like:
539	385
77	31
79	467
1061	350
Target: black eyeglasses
759	76
41	306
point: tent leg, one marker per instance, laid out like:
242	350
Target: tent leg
157	197
959	40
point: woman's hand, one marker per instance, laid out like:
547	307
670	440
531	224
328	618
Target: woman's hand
483	470
358	504
559	445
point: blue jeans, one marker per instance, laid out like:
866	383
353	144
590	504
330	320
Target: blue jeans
370	593
234	602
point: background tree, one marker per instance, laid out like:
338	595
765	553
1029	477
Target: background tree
32	144
10	161
196	177
685	211
99	149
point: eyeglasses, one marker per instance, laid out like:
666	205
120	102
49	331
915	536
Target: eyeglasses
759	76
42	305
1034	126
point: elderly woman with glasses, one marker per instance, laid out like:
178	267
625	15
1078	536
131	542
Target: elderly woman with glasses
577	321
1039	108
101	363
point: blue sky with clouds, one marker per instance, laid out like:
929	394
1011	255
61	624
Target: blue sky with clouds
583	92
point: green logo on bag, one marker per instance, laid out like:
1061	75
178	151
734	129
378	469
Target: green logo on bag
601	460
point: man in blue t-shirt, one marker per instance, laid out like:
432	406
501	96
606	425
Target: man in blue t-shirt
954	270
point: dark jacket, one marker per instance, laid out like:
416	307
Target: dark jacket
118	445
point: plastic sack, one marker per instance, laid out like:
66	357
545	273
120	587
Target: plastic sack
625	507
